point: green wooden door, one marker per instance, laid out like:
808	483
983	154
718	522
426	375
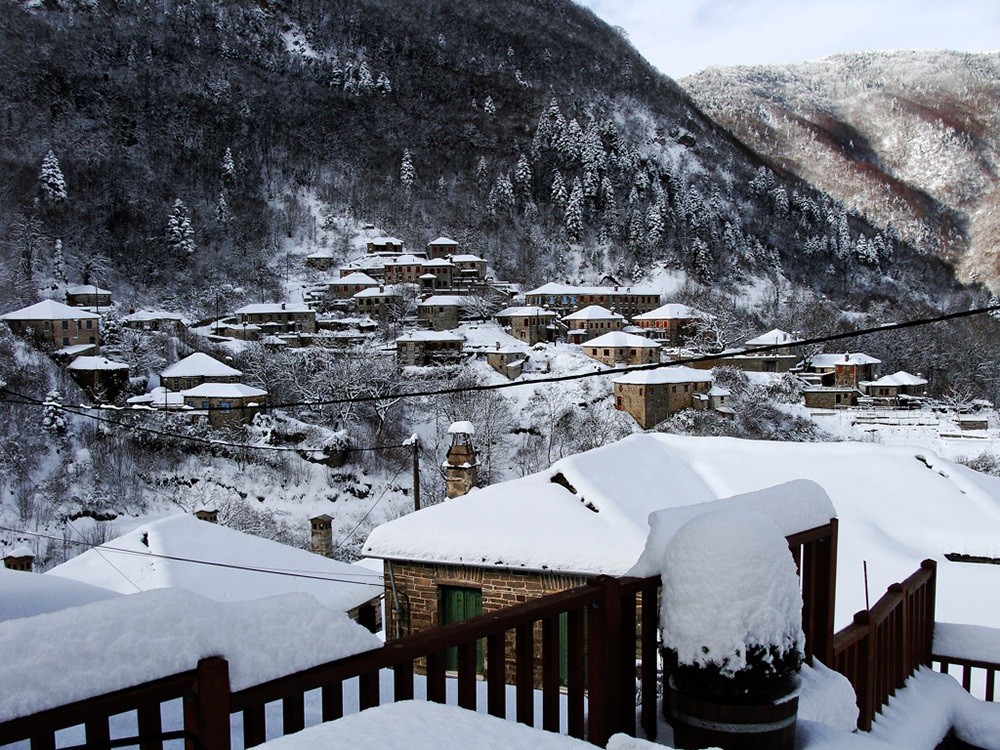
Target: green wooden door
458	604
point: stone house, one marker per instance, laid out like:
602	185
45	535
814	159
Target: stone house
672	324
508	361
403	269
830	397
766	362
149	320
440	312
651	396
442	247
529	324
424	348
321	261
619	348
896	389
278	317
226	404
372	265
55	324
99	377
196	369
385	245
438	273
377	301
468	268
565	298
591	322
347	286
775	337
717	400
843	370
87	295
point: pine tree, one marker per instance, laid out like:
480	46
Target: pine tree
608	196
51	180
702	263
574	212
382	85
481	172
501	198
222	213
180	235
59	263
522	175
366	84
228	168
407	174
558	193
52	415
489	107
654	224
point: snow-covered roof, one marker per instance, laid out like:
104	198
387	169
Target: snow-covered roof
526	312
199	365
443	241
387	241
385	291
717	391
356	278
95	363
674	374
462	428
406	259
129	640
848	358
86	289
74	349
159	398
900	378
337	584
223	390
594	312
270	308
896	505
619	339
467	258
28	594
49	309
671	311
143	316
429	336
554	287
774	337
444	300
322	254
437	263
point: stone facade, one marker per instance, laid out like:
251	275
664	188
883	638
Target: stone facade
830	398
651	403
751	362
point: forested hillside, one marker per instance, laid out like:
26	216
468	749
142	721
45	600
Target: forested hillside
195	145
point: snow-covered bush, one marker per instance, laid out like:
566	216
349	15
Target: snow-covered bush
732	610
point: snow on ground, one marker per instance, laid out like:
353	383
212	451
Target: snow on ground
129	562
827	697
129	640
24	594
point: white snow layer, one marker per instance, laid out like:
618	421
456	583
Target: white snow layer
24	594
139	559
729	584
827	697
897	505
966	641
408	725
130	640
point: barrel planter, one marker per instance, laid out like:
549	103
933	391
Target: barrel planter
699	723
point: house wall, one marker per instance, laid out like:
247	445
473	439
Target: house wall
237	413
59	333
828	399
88	300
438	317
183	384
651	404
611	355
751	363
419	586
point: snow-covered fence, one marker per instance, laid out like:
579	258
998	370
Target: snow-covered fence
887	643
974	650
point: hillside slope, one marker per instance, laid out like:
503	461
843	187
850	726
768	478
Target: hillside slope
531	131
910	139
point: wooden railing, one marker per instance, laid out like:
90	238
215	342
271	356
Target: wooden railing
974	650
969	669
885	645
609	634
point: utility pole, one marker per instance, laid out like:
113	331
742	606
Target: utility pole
415	444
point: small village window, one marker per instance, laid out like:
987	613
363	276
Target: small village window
90	324
65	342
204	404
65	325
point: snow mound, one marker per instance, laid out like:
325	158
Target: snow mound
729	583
827	697
133	639
24	594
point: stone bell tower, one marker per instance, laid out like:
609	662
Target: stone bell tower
461	467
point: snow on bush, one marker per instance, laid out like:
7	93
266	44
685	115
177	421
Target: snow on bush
76	653
729	587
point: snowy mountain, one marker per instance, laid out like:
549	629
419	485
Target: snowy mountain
908	139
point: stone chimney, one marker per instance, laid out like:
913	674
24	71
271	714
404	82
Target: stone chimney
207	514
461	467
21	558
322	535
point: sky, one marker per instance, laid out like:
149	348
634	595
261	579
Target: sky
681	37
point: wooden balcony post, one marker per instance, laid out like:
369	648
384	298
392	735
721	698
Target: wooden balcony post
604	662
928	615
206	713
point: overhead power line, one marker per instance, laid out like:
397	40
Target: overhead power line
195	561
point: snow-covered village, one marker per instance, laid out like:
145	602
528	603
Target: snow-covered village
384	374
